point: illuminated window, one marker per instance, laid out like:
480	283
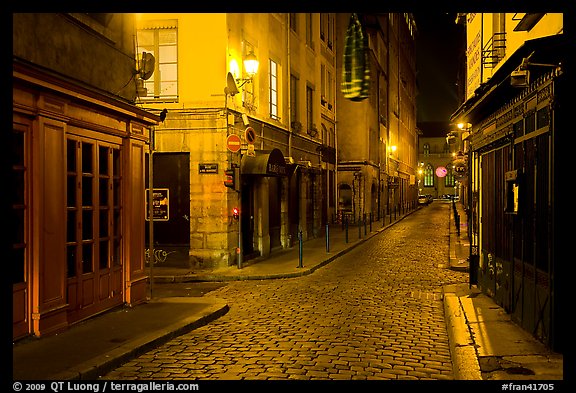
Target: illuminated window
449	178
274	90
426	149
429	176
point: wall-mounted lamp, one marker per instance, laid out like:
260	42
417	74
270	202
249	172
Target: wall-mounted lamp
251	65
250	68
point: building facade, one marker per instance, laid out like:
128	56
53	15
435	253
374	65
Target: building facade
377	136
515	106
77	167
441	149
273	130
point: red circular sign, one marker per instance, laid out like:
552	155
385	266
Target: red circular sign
441	171
233	143
250	135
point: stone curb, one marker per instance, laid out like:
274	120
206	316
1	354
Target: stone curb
464	359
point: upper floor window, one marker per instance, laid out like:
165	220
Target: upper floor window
327	29
274	90
426	149
309	108
292	21
309	40
326	87
161	41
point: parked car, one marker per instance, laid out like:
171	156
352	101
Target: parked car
423	200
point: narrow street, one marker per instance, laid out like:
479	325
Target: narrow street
374	313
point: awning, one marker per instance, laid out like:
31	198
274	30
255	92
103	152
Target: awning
265	163
551	49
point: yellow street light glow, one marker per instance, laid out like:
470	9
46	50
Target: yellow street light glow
251	64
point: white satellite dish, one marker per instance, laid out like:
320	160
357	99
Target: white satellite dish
147	62
231	87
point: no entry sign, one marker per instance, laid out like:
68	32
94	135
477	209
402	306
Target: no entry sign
233	143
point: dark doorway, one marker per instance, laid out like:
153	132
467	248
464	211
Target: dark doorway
275	193
247	217
172	236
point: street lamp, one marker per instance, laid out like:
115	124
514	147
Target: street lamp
251	64
250	68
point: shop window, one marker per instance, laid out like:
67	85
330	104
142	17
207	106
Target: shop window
18	203
530	122
512	192
518	129
93	206
542	117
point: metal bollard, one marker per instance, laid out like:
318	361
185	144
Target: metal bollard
327	238
300	249
457	221
346	231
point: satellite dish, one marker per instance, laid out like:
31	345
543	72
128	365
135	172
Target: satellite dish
231	87
146	65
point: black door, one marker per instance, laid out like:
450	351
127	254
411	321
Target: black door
172	235
247	217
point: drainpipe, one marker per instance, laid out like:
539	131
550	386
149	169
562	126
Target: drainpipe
289	117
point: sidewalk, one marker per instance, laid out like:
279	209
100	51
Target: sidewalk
485	343
478	329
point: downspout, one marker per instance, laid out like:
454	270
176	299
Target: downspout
289	117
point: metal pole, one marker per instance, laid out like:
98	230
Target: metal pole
151	254
240	251
346	230
327	238
300	249
370	221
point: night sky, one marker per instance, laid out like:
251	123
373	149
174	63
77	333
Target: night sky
437	46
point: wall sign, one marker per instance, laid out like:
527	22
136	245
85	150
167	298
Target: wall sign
204	168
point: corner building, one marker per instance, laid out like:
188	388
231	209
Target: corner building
285	172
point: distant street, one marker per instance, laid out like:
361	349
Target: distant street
374	313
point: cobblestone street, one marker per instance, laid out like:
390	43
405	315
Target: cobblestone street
374	313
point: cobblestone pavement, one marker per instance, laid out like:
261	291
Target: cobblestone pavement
374	313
